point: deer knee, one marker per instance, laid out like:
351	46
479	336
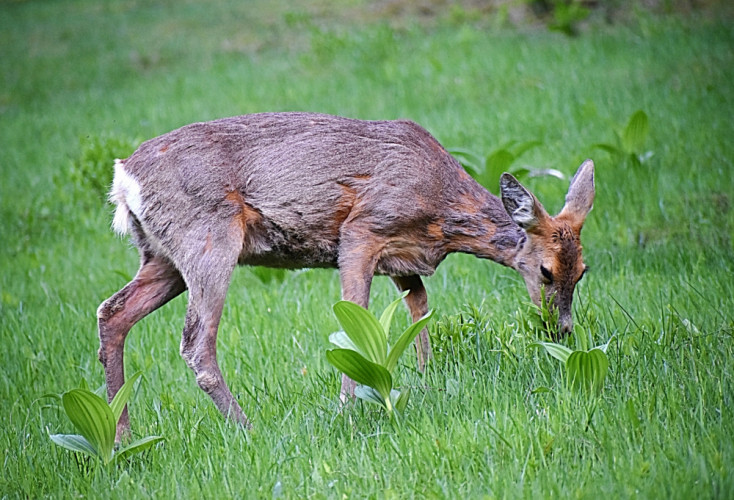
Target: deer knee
207	381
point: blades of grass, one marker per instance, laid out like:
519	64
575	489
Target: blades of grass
120	400
387	314
361	370
138	446
558	351
93	418
74	442
363	328
404	340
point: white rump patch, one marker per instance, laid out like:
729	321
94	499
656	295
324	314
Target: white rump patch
125	194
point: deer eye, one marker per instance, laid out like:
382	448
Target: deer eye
547	275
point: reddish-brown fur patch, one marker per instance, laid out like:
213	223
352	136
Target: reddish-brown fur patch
246	216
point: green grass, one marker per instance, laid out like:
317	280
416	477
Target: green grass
82	81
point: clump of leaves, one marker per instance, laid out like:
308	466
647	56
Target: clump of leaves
630	143
96	422
457	337
488	170
585	370
543	319
364	355
566	16
92	171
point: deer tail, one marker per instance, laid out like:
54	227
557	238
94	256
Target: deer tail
125	194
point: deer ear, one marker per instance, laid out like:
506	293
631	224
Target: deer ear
520	204
580	197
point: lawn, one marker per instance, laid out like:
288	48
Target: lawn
84	82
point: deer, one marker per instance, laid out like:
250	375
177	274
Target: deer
305	190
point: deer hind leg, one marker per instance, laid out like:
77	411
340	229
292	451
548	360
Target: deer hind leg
208	276
417	302
156	283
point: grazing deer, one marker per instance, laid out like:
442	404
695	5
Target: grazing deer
295	190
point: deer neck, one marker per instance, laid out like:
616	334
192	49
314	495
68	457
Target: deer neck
479	225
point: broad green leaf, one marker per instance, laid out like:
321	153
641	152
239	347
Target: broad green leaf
83	384
545	172
405	339
387	314
341	339
361	370
524	147
138	446
363	328
520	173
496	163
467	159
614	150
369	394
401	402
558	351
604	347
635	134
74	442
93	418
120	400
587	369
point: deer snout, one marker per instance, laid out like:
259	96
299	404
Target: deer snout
565	323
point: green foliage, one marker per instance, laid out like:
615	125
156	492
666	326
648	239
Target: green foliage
630	143
585	370
363	353
96	422
489	170
456	337
566	15
91	173
483	426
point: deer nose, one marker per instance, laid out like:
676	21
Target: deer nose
566	324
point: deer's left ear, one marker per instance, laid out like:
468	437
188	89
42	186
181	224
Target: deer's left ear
580	197
520	204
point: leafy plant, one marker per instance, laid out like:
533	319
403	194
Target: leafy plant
92	171
488	171
630	143
364	356
96	422
456	338
585	370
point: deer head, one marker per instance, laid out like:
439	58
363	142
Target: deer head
551	256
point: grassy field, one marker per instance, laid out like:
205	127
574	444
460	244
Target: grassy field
83	82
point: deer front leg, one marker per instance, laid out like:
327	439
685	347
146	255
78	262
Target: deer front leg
155	284
417	302
356	269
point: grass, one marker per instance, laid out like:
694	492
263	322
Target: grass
82	81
